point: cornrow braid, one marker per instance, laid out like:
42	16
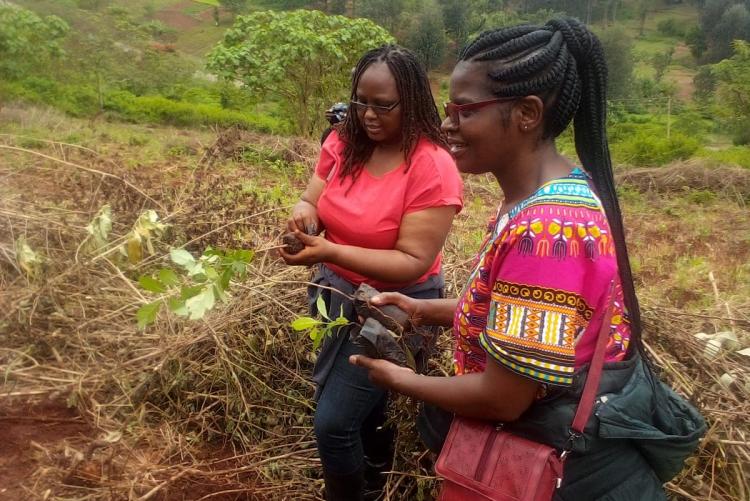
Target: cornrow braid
493	38
563	64
419	115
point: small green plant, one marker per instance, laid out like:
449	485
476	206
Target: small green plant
193	289
316	328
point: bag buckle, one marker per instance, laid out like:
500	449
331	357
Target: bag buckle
572	437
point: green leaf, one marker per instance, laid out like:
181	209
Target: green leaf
220	294
210	273
304	323
198	305
191	291
196	271
225	279
183	258
320	304
168	277
151	284
317	337
146	314
177	306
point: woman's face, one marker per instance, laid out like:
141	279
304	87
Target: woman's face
483	138
377	87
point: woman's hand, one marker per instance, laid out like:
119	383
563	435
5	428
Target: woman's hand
317	250
304	218
381	372
421	311
413	307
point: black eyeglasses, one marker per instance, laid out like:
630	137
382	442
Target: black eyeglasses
453	110
379	110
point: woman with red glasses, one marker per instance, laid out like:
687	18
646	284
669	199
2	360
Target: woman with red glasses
553	268
385	191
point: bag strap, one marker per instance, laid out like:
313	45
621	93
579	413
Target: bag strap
591	386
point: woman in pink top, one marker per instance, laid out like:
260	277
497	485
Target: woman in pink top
385	192
554	261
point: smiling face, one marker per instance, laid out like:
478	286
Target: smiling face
377	87
484	138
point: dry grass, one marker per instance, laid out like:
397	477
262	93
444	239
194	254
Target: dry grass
220	409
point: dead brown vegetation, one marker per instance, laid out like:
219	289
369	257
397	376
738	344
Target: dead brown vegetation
220	408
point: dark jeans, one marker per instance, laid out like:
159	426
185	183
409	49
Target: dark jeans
349	417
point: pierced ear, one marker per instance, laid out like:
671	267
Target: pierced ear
530	110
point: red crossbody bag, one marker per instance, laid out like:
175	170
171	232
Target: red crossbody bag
481	462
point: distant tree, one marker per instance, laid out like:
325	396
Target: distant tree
642	8
456	18
27	40
661	62
336	7
733	25
734	87
303	57
705	83
386	13
234	6
427	35
618	49
91	4
695	38
721	22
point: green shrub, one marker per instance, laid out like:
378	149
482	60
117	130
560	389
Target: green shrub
82	100
738	155
158	109
671	27
76	100
646	149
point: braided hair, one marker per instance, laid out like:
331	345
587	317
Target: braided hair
563	64
419	115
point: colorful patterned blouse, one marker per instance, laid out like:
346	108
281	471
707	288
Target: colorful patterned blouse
535	297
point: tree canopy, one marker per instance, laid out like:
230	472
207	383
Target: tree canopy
304	56
27	39
734	87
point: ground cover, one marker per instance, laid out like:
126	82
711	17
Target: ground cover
220	408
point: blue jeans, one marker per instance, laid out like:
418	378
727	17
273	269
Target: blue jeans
349	417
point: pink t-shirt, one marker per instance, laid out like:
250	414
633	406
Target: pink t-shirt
368	213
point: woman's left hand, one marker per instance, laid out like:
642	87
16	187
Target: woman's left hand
381	372
317	250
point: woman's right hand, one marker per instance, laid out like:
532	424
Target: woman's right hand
413	307
304	218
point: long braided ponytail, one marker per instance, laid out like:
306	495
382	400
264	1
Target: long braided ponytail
563	63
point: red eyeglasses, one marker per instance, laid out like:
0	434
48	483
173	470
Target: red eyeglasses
453	110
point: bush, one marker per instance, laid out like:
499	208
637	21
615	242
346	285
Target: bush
705	83
158	109
76	100
81	101
671	27
647	149
737	155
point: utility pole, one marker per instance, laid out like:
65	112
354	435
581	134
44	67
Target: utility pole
669	117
